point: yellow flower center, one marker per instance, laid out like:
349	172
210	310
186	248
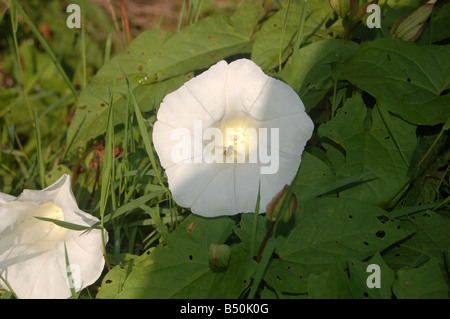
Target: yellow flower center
36	232
239	142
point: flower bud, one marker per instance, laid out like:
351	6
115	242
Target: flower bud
219	255
341	7
274	207
410	26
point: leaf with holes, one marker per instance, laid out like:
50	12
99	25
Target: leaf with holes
359	275
113	281
312	174
290	277
330	230
431	240
375	142
409	79
182	268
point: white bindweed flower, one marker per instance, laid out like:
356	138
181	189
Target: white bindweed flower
226	132
32	251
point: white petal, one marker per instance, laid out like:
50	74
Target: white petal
188	181
85	252
245	83
50	193
218	198
276	100
202	98
180	109
37	275
247	178
6	198
10	218
271	184
294	131
174	145
209	88
32	256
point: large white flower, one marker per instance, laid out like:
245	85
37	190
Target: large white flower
32	251
214	175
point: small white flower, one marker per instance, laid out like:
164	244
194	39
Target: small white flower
227	131
32	253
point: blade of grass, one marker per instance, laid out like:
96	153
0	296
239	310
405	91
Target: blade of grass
336	186
400	212
412	171
283	33
46	47
143	130
33	115
384	114
255	221
83	45
40	158
300	33
162	229
180	18
67	225
108	46
262	266
135	203
8	286
69	272
197	10
107	171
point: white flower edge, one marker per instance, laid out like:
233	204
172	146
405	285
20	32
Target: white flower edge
32	251
227	91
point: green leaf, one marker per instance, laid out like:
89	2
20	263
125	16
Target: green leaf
406	78
270	39
245	229
91	115
290	277
182	270
376	148
309	70
113	281
157	64
424	282
313	173
330	284
358	278
329	230
55	173
440	24
266	256
431	240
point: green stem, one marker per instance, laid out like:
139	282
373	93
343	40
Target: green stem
264	242
346	29
46	47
